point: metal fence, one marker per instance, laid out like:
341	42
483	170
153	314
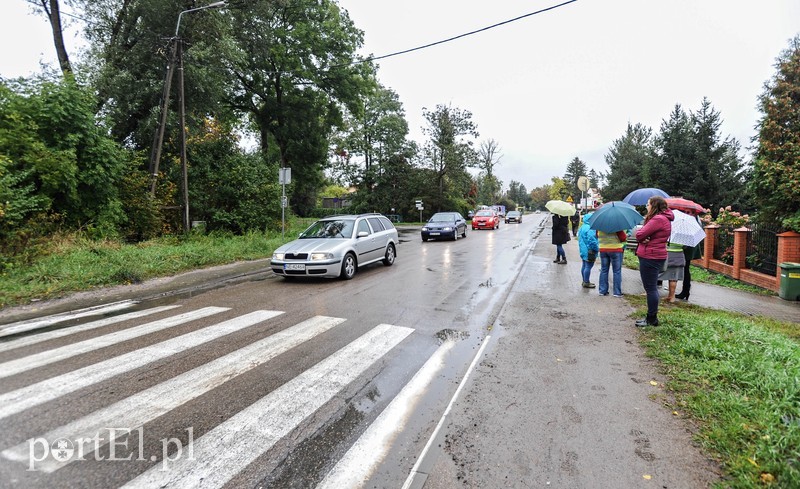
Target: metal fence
762	249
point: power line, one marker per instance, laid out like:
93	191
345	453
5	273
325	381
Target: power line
405	51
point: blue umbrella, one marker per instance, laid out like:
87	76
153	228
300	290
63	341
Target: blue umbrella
615	216
642	195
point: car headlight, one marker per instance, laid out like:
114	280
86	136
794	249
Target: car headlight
424	228
277	256
448	228
321	256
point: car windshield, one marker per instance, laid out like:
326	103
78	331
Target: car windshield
442	218
485	213
334	228
513	213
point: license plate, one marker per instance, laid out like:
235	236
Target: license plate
435	234
294	266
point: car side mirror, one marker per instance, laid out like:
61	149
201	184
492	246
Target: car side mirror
362	234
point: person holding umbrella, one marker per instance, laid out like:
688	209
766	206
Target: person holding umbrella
588	248
652	253
560	236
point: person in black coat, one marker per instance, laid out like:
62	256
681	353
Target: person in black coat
575	220
560	236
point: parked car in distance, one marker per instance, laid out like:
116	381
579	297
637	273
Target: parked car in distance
337	246
470	215
449	225
514	216
486	219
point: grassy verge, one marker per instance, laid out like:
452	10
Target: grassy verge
74	264
739	378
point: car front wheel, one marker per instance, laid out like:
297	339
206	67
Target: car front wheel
348	267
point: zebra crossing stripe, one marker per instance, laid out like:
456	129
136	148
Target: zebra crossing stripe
224	451
22	326
55	355
47	390
368	451
32	340
149	404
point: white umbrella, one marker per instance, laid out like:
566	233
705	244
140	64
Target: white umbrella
686	230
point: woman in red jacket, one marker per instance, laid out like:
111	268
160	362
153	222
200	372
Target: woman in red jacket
652	253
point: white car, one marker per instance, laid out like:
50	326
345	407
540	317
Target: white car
338	246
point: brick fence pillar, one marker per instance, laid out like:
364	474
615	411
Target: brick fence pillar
740	238
710	242
788	252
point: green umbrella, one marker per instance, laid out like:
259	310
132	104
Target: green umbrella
560	207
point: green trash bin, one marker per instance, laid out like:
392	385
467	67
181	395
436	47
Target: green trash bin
790	281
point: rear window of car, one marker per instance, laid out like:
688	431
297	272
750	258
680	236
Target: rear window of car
387	224
376	224
485	213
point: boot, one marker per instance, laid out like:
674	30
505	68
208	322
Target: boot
563	261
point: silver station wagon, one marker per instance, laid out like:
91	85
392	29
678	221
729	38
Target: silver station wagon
338	246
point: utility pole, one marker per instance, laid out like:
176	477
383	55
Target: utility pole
158	140
184	164
176	51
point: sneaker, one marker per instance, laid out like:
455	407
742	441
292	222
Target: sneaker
617	295
588	285
641	323
603	294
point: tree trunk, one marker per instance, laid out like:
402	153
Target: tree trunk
53	11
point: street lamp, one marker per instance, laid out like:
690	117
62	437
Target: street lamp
176	51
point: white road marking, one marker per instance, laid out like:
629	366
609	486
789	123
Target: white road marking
13	367
22	326
227	449
415	470
136	410
369	450
31	340
33	395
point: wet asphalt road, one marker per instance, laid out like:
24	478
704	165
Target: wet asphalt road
438	302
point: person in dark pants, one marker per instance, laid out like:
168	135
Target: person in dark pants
690	253
652	253
575	219
560	236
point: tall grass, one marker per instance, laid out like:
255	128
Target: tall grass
75	264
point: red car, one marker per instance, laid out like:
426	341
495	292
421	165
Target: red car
485	219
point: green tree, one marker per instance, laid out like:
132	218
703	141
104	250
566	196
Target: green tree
776	168
48	132
448	152
540	196
488	159
628	159
378	139
295	76
518	193
559	190
575	169
675	165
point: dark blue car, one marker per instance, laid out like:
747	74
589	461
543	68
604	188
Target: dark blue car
448	225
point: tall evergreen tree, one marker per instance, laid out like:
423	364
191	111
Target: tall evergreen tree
629	159
575	169
674	167
776	169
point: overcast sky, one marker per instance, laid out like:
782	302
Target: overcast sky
552	86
